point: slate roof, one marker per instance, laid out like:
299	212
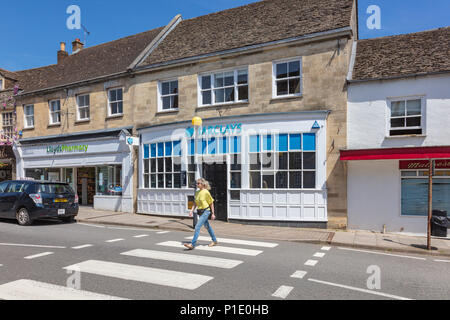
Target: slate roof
256	23
403	55
8	74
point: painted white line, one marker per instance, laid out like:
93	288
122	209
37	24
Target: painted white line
311	263
114	240
326	248
360	290
82	247
319	254
299	274
91	225
34	290
141	236
31	245
385	254
163	232
219	248
240	242
282	292
38	255
1	265
189	281
129	229
442	260
184	258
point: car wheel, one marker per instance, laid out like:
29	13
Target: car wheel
23	217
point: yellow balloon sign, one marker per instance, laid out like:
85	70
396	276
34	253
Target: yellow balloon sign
197	121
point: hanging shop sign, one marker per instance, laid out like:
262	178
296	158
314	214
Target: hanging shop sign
217	130
67	149
424	164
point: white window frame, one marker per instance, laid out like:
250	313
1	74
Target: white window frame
28	116
88	107
52	112
8	122
213	88
274	78
161	96
110	114
422	115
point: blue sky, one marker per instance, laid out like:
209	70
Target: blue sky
32	30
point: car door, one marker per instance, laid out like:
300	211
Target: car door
3	187
11	197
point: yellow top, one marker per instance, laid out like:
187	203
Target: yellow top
203	199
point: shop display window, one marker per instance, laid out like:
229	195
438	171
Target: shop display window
109	180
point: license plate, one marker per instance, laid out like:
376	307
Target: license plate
61	211
60	200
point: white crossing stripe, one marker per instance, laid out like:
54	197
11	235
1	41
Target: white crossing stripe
141	236
282	292
163	232
241	242
299	274
38	255
184	258
183	280
33	290
360	290
326	248
319	254
82	247
311	263
442	260
114	240
219	248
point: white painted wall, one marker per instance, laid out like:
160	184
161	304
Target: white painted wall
369	113
374	198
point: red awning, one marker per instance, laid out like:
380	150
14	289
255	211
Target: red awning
397	153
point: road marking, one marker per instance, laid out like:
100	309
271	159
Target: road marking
129	229
386	254
31	245
91	225
114	240
183	280
442	260
282	292
163	232
319	254
82	246
360	290
141	236
184	258
299	274
241	242
326	248
38	255
311	263
33	290
219	248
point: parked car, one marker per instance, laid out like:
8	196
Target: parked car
27	201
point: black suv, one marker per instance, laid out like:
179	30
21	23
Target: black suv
27	201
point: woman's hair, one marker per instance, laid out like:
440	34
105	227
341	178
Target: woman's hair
204	183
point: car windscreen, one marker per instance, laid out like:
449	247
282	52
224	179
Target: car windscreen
54	188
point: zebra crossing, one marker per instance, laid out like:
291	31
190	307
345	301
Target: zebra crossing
229	254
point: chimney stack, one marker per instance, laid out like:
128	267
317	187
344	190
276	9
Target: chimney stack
62	53
77	45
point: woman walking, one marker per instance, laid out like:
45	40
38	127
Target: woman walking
205	206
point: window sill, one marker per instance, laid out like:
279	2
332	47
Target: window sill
407	136
28	128
222	105
50	125
82	121
285	98
115	116
162	112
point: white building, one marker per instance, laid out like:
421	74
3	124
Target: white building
398	119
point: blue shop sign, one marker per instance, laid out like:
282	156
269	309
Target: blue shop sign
217	130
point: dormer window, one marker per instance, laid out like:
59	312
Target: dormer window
1	84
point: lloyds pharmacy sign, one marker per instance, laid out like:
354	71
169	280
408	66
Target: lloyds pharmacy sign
217	130
67	149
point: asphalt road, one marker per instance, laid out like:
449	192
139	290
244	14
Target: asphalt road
105	262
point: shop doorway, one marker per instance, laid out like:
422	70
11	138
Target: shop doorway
216	174
86	186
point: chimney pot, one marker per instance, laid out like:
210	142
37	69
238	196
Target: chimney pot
62	53
77	45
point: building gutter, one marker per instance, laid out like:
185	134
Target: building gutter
352	61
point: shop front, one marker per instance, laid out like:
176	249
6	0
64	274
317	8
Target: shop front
7	163
97	165
268	168
388	188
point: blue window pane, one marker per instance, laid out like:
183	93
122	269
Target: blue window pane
177	148
309	141
168	149
212	149
153	150
146	151
282	142
267	143
161	149
223	145
295	141
191	147
254	144
236	145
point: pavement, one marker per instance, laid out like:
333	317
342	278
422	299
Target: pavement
358	239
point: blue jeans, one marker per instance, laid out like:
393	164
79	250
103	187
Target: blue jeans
203	220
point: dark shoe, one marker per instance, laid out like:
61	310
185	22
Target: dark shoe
189	246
